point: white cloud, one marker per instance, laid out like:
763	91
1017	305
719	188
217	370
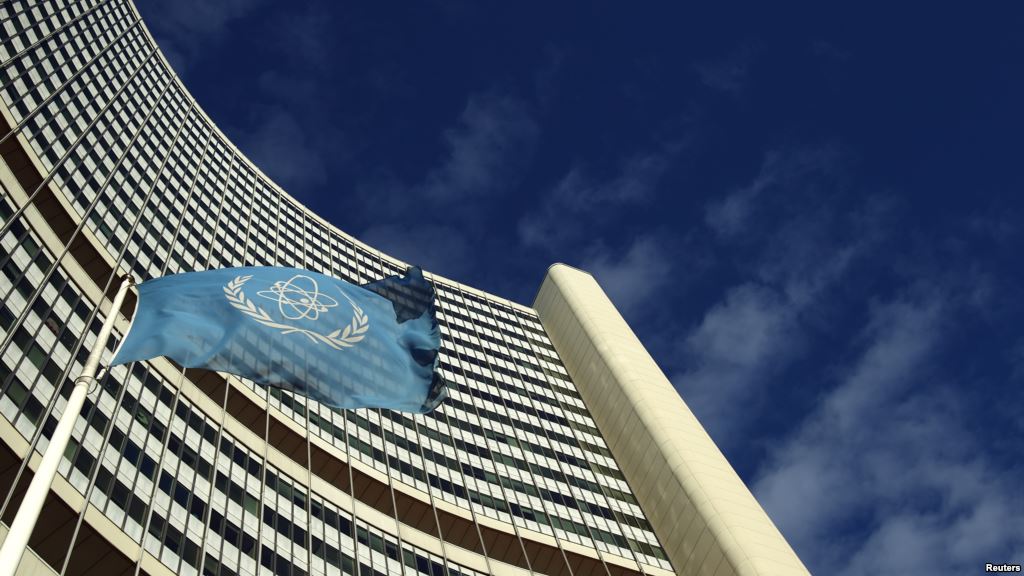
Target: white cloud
732	358
551	226
902	333
738	346
488	149
730	74
486	152
183	28
579	200
728	217
307	37
283	150
809	175
634	278
881	473
440	249
889	449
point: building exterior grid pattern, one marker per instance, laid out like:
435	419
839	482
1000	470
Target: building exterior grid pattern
149	179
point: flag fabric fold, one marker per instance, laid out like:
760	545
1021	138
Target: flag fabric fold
347	346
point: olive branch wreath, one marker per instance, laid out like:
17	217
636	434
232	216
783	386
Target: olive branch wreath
347	338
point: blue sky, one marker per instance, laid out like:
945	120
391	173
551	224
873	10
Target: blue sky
812	218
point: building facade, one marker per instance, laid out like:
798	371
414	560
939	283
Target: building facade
562	448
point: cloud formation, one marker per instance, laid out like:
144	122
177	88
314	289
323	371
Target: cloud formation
889	449
880	472
283	149
729	216
728	75
804	172
487	150
732	358
185	28
579	200
632	278
439	248
735	351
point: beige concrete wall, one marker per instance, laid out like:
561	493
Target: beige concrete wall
707	520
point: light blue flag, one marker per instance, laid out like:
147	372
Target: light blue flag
371	346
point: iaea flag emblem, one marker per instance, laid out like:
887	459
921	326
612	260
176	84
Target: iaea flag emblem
346	346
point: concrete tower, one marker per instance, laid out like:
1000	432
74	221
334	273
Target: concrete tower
562	450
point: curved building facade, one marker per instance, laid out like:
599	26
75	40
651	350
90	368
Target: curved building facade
562	449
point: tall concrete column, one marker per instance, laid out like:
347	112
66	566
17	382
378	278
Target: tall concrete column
708	521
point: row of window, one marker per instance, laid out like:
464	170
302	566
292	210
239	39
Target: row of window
193	239
535	430
132	500
132	453
25	92
23	31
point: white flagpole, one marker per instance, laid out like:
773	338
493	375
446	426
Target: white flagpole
32	503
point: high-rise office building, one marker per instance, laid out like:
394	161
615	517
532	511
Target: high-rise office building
562	449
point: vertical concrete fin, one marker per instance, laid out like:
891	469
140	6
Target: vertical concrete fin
707	520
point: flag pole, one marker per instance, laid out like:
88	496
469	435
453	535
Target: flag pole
32	504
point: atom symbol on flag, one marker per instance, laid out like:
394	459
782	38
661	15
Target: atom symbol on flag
298	298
